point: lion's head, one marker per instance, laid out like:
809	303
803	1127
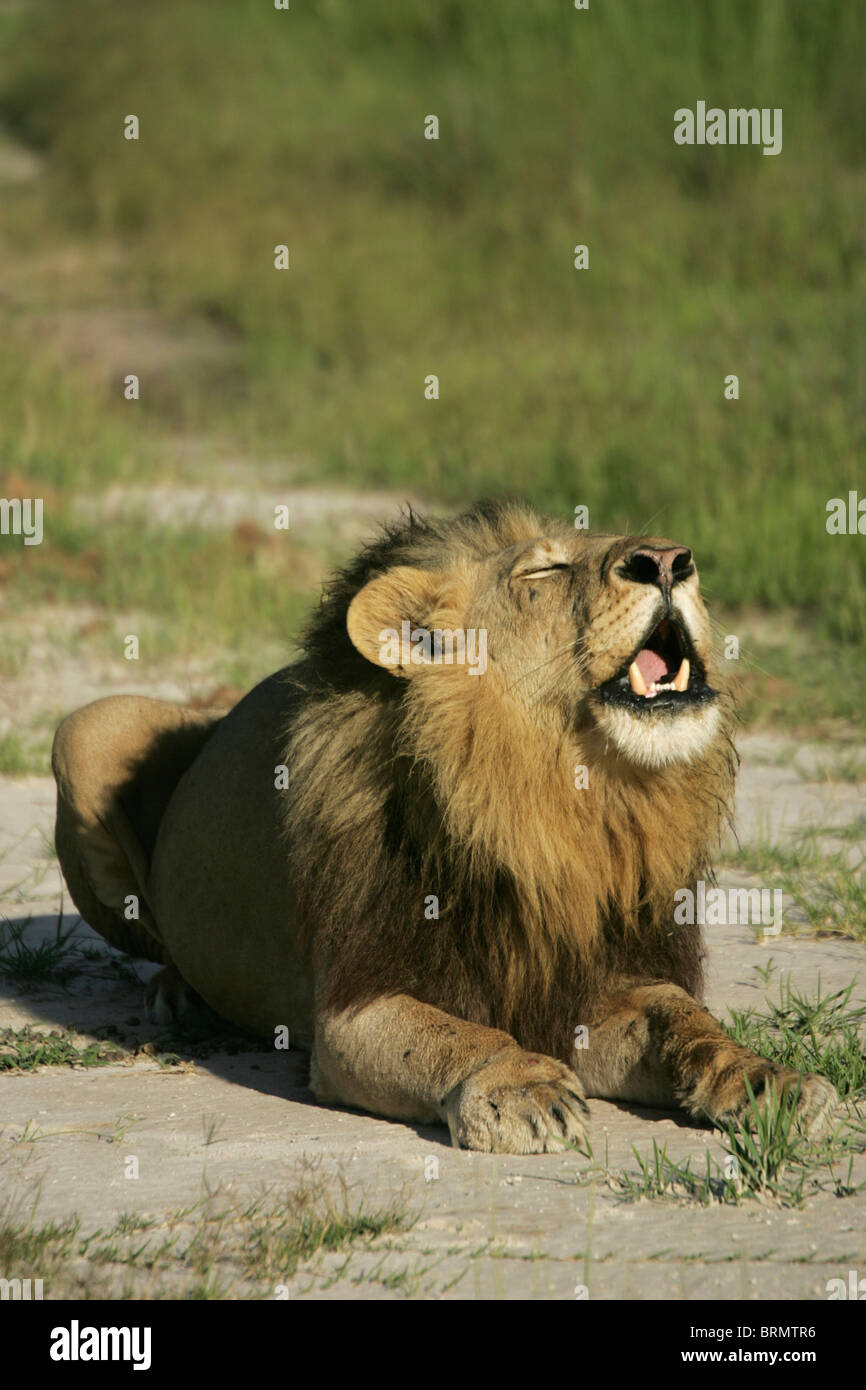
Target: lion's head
600	635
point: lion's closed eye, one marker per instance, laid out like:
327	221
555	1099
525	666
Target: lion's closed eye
543	573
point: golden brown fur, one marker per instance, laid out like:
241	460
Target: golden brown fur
309	905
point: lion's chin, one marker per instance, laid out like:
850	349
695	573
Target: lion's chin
663	740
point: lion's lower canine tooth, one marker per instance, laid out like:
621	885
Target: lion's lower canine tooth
636	680
681	679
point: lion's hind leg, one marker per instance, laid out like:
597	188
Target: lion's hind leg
116	763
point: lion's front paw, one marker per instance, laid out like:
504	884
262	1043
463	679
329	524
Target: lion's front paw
816	1103
520	1102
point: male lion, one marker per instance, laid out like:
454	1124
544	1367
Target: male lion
433	874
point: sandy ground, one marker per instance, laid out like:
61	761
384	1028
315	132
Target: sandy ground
487	1226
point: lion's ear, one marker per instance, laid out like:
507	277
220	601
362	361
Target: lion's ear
378	611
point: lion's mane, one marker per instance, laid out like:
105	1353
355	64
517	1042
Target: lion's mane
405	789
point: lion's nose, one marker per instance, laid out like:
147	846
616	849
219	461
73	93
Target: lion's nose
662	567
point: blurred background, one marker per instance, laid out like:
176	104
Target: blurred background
602	387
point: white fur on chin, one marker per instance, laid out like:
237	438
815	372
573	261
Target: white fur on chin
661	740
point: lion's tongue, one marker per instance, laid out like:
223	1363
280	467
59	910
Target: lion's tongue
651	666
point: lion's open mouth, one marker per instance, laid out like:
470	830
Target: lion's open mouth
665	673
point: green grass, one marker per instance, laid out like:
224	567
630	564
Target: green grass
824	1034
12	658
224	1246
25	1049
852	833
767	1159
54	959
29	1247
836	899
846	765
57	431
189	590
767	1146
808	681
764	855
827	887
14	761
455	257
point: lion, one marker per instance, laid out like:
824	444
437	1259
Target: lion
440	874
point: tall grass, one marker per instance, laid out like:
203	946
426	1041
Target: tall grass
454	257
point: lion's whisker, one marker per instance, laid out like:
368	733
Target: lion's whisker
557	655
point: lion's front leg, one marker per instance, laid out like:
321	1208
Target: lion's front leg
656	1045
410	1061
